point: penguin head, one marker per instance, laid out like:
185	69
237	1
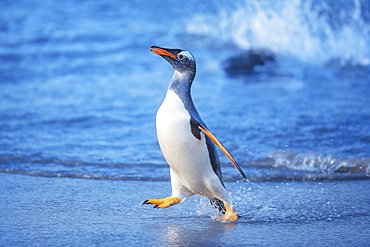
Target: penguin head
181	60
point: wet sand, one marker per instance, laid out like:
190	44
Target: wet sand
39	211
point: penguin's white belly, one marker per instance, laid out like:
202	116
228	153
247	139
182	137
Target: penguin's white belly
187	155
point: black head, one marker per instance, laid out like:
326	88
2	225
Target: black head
181	60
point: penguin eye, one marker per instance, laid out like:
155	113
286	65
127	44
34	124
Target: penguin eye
180	56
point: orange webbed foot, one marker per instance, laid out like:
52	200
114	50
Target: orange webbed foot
163	203
230	214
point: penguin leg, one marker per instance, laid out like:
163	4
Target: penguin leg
178	191
226	209
219	205
179	188
222	202
163	203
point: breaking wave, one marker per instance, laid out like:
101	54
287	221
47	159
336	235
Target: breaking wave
278	166
317	32
313	162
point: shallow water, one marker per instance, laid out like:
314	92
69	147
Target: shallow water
47	211
79	90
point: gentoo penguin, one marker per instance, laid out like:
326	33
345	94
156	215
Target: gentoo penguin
186	142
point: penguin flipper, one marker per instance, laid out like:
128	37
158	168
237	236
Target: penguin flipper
222	147
163	203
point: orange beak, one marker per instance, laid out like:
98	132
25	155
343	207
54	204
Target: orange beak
162	52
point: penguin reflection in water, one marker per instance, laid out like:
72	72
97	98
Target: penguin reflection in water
187	144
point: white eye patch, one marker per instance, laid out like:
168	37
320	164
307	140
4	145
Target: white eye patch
186	54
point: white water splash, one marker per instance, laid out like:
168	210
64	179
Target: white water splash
301	29
313	162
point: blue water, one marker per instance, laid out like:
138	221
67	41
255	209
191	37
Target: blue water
79	90
86	212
